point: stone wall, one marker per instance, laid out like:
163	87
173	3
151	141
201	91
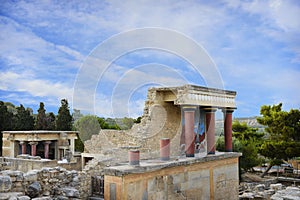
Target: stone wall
213	177
27	163
160	120
54	183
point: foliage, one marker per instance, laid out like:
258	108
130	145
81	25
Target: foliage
236	144
127	122
6	118
108	123
79	146
245	140
283	127
6	121
23	120
243	132
64	118
138	120
76	114
51	121
250	157
41	120
87	126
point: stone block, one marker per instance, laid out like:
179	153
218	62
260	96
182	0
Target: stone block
34	189
5	183
259	188
276	187
71	192
24	198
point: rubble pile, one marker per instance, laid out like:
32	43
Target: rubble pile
268	191
47	183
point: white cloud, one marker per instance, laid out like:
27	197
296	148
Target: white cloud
22	83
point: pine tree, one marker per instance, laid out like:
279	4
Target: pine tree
6	121
64	118
41	121
283	127
23	120
51	121
6	118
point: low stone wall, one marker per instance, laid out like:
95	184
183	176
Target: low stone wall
54	183
208	177
32	163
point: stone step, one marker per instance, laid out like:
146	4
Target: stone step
96	198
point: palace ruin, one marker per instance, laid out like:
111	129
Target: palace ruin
171	154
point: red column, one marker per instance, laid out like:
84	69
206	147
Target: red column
228	129
23	144
134	157
210	130
165	149
46	149
189	120
33	148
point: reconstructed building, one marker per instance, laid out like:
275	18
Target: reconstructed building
172	153
46	144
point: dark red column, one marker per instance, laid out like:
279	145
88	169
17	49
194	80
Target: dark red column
228	129
33	148
46	149
165	149
189	120
134	157
23	145
210	130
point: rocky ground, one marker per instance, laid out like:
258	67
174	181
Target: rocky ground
254	187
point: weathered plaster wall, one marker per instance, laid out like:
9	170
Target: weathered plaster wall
213	179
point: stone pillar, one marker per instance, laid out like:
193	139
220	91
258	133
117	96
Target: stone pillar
46	149
23	147
33	148
210	130
228	129
165	149
189	120
134	157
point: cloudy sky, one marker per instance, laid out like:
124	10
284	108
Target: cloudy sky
51	50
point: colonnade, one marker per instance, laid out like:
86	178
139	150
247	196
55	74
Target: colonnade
33	145
189	118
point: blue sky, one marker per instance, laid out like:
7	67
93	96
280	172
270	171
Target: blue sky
44	45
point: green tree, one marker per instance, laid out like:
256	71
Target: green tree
283	128
51	121
6	121
6	118
250	140
23	120
245	140
87	126
108	123
64	118
41	120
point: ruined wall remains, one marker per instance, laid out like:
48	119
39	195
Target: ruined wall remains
25	163
51	183
160	120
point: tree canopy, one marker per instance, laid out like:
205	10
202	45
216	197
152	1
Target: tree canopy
23	120
64	118
283	128
87	126
41	120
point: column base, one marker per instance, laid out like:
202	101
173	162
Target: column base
164	158
228	150
211	153
190	155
